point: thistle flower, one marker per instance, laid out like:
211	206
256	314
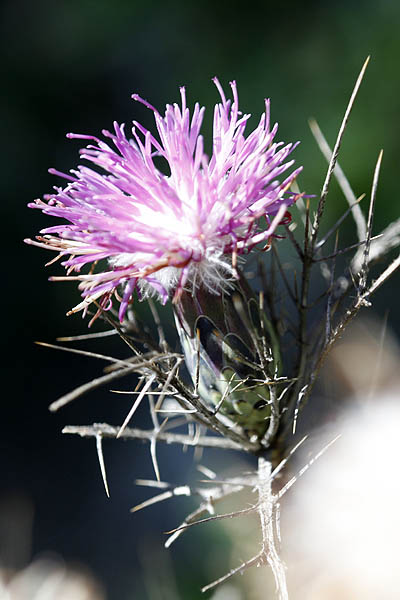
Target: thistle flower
162	233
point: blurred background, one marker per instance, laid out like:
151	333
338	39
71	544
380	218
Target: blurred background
72	65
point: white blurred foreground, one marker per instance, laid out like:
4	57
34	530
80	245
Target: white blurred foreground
48	580
342	525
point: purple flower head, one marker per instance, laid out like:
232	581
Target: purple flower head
165	232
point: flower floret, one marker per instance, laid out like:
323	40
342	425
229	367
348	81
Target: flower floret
164	232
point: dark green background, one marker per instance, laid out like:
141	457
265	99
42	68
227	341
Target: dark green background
72	66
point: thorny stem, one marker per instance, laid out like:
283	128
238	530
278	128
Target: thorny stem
266	511
302	336
387	240
363	293
274	418
90	386
332	163
193	399
362	300
330	294
310	241
342	181
129	433
365	264
256	560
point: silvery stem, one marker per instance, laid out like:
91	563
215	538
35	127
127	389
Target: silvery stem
267	510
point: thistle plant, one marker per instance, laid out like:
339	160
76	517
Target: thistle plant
156	220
